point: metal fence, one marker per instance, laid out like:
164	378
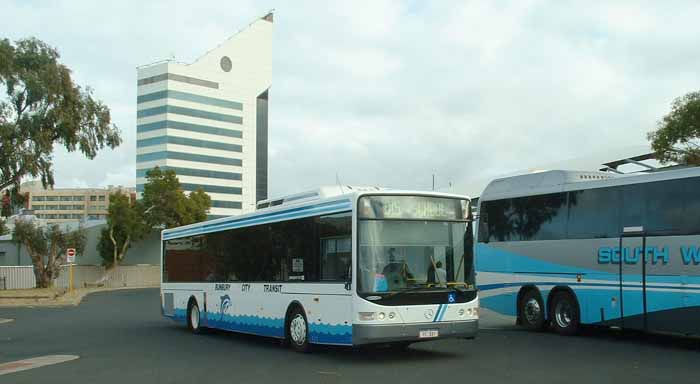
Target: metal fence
22	277
18	277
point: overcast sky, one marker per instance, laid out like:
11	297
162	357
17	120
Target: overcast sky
388	92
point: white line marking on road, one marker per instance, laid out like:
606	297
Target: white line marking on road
35	362
3	321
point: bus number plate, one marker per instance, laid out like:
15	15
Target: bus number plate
428	333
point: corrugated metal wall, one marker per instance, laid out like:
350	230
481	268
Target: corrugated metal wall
17	277
22	277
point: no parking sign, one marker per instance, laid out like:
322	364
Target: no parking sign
70	255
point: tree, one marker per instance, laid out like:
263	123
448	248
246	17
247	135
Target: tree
42	106
165	203
197	206
47	248
677	135
6	205
125	226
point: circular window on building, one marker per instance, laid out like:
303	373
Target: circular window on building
226	64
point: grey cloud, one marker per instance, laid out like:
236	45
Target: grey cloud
388	93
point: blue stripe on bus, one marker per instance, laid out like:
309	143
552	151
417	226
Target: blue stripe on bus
442	314
320	333
612	284
437	313
328	207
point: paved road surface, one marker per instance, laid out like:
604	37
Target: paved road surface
121	338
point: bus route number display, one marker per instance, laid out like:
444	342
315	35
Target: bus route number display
411	207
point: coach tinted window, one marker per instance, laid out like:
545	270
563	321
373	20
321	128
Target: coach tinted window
541	217
335	246
525	218
594	213
185	260
633	204
690	218
296	239
498	223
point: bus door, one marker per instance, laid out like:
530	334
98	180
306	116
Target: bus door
632	278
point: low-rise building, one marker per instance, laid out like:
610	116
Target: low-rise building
58	205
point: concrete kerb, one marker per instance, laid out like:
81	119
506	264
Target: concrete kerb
67	299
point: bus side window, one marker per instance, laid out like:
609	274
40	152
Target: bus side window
335	258
335	246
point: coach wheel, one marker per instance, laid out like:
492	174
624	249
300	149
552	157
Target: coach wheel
193	317
531	313
565	314
298	331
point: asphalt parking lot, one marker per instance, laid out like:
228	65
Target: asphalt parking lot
120	337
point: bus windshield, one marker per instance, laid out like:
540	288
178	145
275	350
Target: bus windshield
397	255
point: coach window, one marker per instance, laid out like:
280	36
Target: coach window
672	206
297	241
634	202
335	246
266	265
594	213
219	257
184	259
541	217
497	220
688	220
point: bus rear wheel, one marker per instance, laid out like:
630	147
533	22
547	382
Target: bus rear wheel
298	331
193	317
565	314
531	311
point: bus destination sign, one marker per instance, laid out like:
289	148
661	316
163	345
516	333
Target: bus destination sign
412	208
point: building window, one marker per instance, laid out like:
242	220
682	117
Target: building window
101	198
38	198
93	198
78	198
51	198
66	198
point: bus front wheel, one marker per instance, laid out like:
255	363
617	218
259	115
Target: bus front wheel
531	311
565	313
298	331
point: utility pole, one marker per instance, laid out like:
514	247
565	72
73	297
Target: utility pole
433	181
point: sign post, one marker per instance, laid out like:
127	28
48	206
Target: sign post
70	259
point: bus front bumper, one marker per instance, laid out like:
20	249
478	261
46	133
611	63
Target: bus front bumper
389	333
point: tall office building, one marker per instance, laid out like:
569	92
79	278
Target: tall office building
207	120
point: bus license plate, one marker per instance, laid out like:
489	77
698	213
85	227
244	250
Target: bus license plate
427	333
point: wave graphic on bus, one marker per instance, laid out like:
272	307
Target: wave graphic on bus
224	306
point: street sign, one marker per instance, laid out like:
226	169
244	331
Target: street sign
70	255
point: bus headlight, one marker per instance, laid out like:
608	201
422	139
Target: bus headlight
381	316
366	316
391	315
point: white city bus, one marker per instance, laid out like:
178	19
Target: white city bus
342	266
565	248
